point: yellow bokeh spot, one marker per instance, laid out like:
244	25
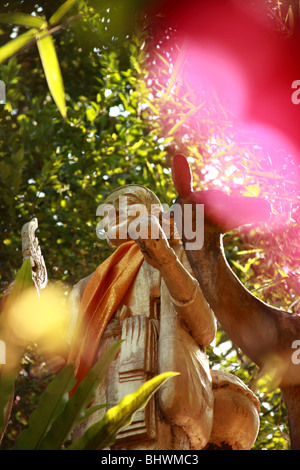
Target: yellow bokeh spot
42	319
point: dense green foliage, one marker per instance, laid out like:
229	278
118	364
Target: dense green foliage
126	116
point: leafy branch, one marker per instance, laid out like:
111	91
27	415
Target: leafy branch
41	32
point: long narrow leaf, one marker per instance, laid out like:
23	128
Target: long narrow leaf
50	405
23	280
76	406
178	66
103	433
13	46
23	19
52	71
7	382
92	409
9	373
61	11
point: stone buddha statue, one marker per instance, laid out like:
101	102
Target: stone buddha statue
145	294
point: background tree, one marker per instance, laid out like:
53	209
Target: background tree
128	111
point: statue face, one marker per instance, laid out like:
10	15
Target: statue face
123	207
121	213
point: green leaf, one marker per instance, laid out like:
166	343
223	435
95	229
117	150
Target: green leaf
281	271
103	433
76	406
23	19
92	409
23	280
7	379
7	382
50	405
61	11
52	71
92	112
239	266
13	46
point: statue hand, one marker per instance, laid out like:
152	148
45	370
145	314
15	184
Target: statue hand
152	241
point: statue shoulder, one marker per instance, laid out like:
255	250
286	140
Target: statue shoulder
78	289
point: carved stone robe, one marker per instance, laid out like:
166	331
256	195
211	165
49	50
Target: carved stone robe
156	340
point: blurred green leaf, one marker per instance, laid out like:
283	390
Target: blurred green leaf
49	407
52	71
23	19
76	406
23	280
13	46
61	11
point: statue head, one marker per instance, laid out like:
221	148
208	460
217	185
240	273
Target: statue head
123	206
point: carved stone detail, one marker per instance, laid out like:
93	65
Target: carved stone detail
32	250
136	366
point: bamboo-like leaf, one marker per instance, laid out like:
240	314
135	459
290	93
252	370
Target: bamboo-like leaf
52	71
183	120
50	405
239	266
246	252
103	433
156	111
76	406
178	66
61	11
22	19
163	60
13	46
281	271
291	19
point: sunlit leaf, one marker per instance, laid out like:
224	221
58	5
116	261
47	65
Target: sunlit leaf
281	271
239	266
23	19
177	68
246	252
184	119
290	18
92	112
103	433
252	190
13	46
52	71
61	11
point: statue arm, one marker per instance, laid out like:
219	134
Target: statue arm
186	295
189	301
